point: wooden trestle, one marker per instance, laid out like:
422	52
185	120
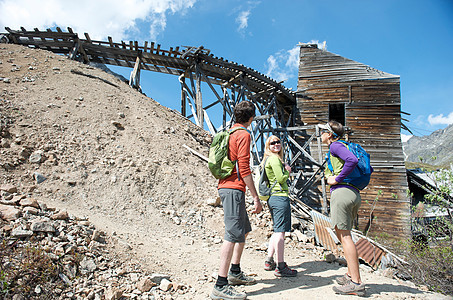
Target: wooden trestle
275	103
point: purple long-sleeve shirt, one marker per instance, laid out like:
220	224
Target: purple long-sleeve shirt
338	149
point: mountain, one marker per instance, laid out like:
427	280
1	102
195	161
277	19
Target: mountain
435	149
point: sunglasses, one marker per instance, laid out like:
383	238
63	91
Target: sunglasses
275	143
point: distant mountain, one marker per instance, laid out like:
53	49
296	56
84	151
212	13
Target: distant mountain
438	144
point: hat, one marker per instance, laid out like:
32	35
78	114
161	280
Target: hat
328	128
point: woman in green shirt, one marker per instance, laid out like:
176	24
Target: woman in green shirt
279	206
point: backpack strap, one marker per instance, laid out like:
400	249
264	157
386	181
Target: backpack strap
231	131
273	185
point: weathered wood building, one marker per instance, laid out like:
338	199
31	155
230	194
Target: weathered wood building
367	101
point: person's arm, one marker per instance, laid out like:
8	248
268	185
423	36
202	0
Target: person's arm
338	149
256	199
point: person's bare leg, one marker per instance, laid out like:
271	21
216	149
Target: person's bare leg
279	246
350	253
226	253
271	250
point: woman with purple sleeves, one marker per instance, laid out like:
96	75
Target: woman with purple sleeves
345	201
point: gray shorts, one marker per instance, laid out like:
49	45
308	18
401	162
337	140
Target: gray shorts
280	209
237	223
344	206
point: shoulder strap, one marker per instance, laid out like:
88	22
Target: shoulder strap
231	131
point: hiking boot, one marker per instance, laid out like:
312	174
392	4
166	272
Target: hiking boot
350	289
286	272
226	292
342	280
269	265
240	279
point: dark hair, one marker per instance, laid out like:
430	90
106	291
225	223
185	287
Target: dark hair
243	111
337	128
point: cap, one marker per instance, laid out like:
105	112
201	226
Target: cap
327	127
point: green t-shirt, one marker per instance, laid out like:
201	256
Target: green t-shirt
276	172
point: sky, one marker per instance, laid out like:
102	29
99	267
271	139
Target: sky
409	38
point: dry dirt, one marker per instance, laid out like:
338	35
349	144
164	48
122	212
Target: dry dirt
117	157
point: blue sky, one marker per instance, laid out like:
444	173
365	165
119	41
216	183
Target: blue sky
409	38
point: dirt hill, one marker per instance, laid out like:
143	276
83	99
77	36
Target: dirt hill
77	138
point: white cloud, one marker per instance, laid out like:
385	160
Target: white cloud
242	19
283	65
321	45
440	119
405	137
100	18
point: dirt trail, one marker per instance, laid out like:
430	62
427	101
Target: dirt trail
115	156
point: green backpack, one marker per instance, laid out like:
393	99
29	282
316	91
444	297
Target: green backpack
219	164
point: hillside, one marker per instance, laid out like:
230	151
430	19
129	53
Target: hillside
438	144
78	139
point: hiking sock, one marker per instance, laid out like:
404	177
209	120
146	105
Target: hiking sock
235	269
355	282
270	259
281	265
221	282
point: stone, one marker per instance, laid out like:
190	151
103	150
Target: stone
165	285
87	265
145	284
61	215
9	213
42	226
213	201
29	202
39	178
8	188
20	233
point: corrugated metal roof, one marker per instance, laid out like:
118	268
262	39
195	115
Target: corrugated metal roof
370	253
322	235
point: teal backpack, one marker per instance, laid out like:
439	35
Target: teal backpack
218	162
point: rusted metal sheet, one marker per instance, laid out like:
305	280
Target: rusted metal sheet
322	235
369	252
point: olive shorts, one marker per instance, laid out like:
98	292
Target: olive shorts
237	223
344	206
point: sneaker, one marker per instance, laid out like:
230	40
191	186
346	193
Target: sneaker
269	265
226	292
342	280
350	289
241	278
286	272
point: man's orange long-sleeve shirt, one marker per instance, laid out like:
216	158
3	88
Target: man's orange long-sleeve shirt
238	149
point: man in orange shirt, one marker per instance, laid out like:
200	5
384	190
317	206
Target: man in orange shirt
232	193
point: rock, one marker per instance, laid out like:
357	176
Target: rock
20	233
145	284
8	188
42	226
36	157
31	210
213	201
113	294
39	178
330	258
87	265
157	278
165	285
61	215
29	202
9	213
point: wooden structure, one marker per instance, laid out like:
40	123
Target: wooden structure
329	86
367	102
